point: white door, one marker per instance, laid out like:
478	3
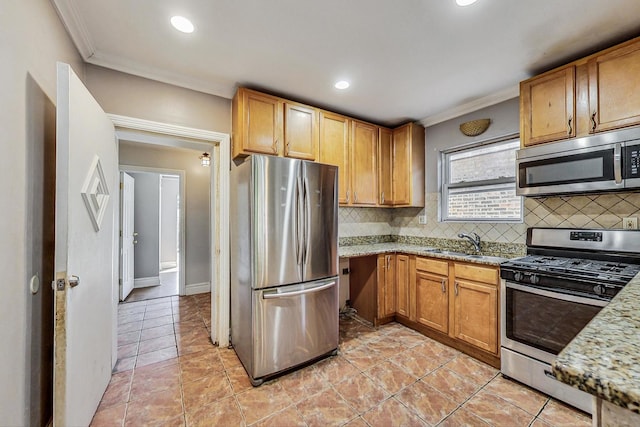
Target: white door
85	259
127	185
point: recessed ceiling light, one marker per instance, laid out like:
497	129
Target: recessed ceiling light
342	84
465	2
181	23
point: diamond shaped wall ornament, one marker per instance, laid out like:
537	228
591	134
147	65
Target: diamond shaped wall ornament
95	193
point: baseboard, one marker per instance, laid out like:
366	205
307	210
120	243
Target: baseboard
145	282
165	265
197	288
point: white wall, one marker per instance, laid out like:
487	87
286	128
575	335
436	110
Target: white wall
32	39
169	192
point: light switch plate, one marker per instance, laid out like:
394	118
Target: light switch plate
422	219
630	223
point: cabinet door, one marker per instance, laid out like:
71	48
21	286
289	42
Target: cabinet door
547	107
386	285
402	165
476	314
334	149
385	166
364	171
402	285
614	89
262	127
301	131
432	301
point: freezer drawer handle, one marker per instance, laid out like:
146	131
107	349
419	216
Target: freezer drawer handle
295	293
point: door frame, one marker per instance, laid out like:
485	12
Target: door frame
219	144
181	219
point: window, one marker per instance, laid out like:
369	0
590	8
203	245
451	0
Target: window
478	183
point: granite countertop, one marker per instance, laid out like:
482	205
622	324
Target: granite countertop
604	359
382	248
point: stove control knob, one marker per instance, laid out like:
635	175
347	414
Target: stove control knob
534	279
517	276
599	290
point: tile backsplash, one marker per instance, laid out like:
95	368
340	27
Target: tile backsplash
600	211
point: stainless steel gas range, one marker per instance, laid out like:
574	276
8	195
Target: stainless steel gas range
548	296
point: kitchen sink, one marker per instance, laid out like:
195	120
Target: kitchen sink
461	254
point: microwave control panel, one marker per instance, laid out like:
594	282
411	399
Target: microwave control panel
632	161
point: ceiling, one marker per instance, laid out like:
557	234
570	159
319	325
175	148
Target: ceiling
427	60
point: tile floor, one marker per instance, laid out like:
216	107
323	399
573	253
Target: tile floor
391	376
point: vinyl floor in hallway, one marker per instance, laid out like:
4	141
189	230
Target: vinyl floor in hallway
390	376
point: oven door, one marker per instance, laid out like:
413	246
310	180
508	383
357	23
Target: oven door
576	170
540	323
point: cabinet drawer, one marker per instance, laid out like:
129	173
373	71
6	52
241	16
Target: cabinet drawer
477	273
431	265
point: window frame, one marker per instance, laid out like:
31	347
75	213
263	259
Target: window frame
445	187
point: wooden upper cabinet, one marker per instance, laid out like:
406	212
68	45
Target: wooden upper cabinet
257	123
614	88
364	166
408	165
334	149
385	166
547	107
301	131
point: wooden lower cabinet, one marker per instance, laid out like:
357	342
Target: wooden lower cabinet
386	286
455	303
475	314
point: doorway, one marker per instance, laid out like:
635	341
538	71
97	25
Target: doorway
218	145
153	244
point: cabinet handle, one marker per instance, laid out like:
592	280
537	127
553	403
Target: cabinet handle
593	121
347	196
570	131
444	286
382	198
388	260
455	288
355	197
277	146
288	147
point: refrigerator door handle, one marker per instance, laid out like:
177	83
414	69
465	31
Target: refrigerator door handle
298	219
276	294
307	220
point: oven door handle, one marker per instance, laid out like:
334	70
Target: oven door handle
557	295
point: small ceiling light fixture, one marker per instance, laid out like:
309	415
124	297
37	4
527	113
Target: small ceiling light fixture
342	84
465	2
205	159
181	23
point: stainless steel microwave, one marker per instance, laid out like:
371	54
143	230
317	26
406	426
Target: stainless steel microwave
602	162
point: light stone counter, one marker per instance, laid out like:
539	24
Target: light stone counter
382	248
604	359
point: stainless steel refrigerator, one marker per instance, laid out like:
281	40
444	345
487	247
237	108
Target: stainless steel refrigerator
284	263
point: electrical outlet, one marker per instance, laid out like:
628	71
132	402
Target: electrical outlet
630	223
422	219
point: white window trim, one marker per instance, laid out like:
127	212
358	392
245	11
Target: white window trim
443	193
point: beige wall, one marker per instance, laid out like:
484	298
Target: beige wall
197	201
133	96
32	39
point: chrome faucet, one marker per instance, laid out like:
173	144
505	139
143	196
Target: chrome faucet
475	240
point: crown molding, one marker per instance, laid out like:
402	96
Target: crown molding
128	66
471	106
75	26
